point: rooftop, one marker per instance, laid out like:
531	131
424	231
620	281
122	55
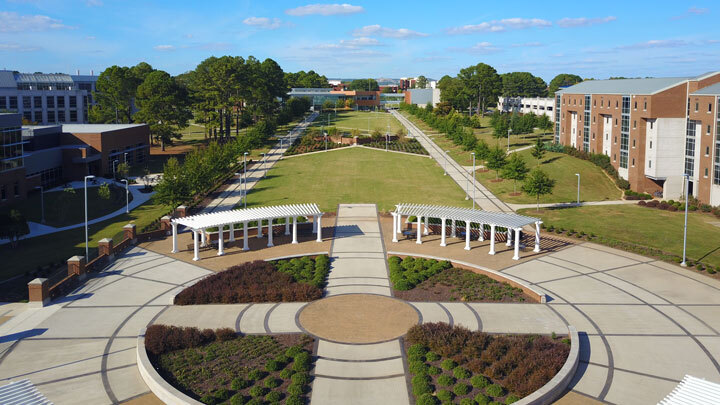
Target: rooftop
96	128
630	86
709	90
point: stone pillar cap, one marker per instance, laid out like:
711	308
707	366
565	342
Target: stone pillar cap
181	206
76	258
38	281
129	226
105	240
166	217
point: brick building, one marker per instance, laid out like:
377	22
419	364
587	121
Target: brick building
654	130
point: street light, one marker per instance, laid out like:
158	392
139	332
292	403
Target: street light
687	192
264	162
446	161
125	153
42	204
578	193
87	251
325	136
127	196
509	132
473	155
245	180
114	163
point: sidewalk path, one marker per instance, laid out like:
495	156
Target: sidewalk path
484	199
516	207
229	198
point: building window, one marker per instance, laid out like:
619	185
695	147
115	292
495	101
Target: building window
3	193
13	102
50	101
633	162
61	101
634	124
635	106
706	172
633	144
73	102
61	115
645	106
73	115
650	164
707	151
16	189
37	101
709	107
615	121
27	115
708	129
651	124
625	132
697	106
650	144
37	116
3	103
690	148
614	157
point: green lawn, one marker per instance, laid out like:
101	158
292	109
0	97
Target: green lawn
62	209
356	175
644	226
594	184
347	120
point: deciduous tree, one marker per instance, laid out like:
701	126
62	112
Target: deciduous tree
163	104
515	169
482	82
538	184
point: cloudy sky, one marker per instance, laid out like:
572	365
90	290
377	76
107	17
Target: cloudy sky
368	38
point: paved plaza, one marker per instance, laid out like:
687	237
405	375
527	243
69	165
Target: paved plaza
643	323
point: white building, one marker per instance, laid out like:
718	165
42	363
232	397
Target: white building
527	105
46	99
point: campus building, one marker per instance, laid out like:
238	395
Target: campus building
527	105
50	155
363	100
654	130
422	97
47	98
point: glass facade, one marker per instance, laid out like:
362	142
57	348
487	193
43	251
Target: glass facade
586	124
557	119
690	148
625	132
11	154
716	176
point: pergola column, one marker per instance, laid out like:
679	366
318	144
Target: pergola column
399	223
259	229
395	226
287	225
319	228
245	236
221	237
492	240
467	235
509	237
315	227
517	245
482	233
196	249
232	232
537	237
419	230
427	229
453	229
203	239
294	231
270	233
174	237
442	232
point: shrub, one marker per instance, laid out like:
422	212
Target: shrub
448	364
432	370
161	339
642	202
293	351
222	394
445	395
271	382
479	381
482	399
237	399
418	367
294	400
300	378
273	396
287	373
302	361
257	391
445	380
511	399
461	389
421	387
256	375
417	350
273	365
225	334
426	399
208	399
239	383
672	208
255	401
432	356
461	373
467	401
711	271
495	390
420	377
296	389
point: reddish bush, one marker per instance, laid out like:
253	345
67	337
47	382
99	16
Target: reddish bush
162	338
663	205
256	281
653	203
225	334
642	202
672	208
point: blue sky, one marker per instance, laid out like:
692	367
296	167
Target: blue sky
366	39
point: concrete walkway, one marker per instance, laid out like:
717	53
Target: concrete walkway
572	204
484	199
231	197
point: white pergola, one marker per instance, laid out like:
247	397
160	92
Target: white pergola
199	223
511	222
693	391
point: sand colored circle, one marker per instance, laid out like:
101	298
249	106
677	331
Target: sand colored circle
358	318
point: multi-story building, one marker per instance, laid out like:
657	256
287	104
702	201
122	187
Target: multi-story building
527	105
364	100
50	155
654	130
422	97
47	98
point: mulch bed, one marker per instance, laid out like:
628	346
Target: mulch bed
496	181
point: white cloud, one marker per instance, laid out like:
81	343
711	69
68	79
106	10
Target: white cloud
14	22
479	48
691	12
370	30
528	45
656	43
584	21
93	3
325	9
164	47
263	22
347	44
13	47
501	25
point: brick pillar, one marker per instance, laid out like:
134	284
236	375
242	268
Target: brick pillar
76	265
165	224
39	292
181	211
130	232
105	247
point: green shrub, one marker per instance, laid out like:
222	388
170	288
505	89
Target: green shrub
467	401
237	399
426	399
274	365
495	390
295	389
461	389
420	387
271	382
417	350
287	373
482	399
445	380
445	395
273	396
293	351
448	364
302	361
511	399
255	401
432	356
479	381
432	370
294	400
257	391
421	377
256	375
239	383
208	399
418	367
711	271
300	378
461	373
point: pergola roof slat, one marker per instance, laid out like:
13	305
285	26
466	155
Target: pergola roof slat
502	219
216	219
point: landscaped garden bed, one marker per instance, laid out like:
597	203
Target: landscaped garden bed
451	364
299	146
299	279
418	279
406	145
220	367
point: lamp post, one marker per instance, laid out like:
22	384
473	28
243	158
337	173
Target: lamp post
687	191
42	204
473	155
446	159
578	191
264	162
114	163
125	153
127	196
87	251
509	132
244	180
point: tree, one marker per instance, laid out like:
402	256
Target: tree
421	82
122	170
522	84
364	85
482	150
496	160
400	134
104	191
306	80
481	81
538	150
163	105
172	190
562	80
515	169
116	88
327	105
13	225
453	92
500	125
537	184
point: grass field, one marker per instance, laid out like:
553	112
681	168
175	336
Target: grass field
348	120
357	175
594	184
644	226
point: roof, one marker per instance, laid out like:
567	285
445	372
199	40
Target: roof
7	79
693	391
505	220
709	90
96	128
22	392
221	218
43	78
625	86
